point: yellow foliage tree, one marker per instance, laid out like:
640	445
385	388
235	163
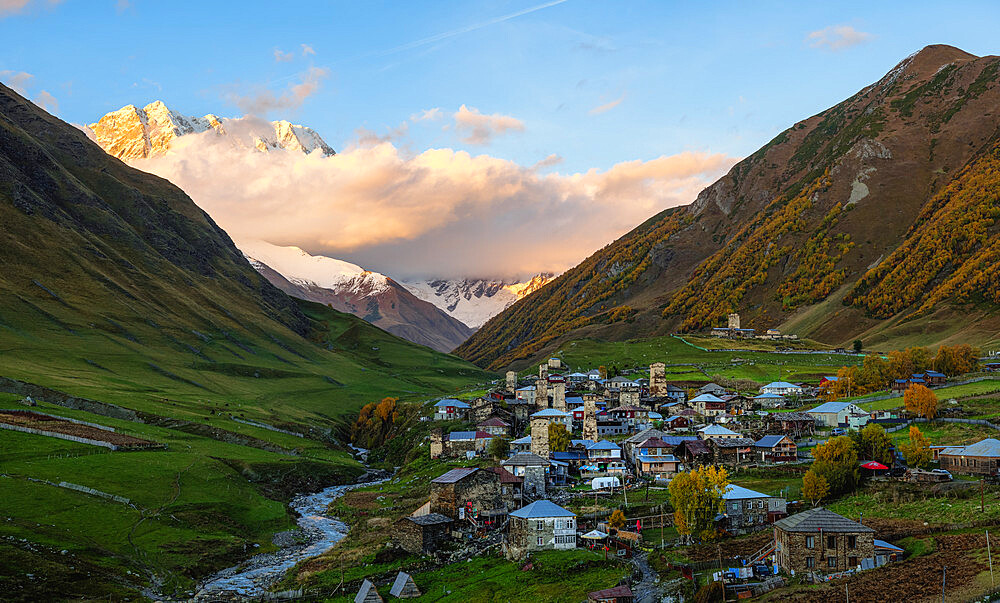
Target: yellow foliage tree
917	451
559	437
837	462
697	498
921	401
617	519
814	487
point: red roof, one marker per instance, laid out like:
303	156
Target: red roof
506	477
611	593
874	465
493	422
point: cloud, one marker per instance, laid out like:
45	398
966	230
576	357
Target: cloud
262	101
307	50
282	57
46	101
427	115
480	129
19	81
837	37
438	213
11	7
123	5
607	106
549	161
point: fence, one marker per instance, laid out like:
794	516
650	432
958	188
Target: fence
85	490
944	420
266	426
892	395
61	436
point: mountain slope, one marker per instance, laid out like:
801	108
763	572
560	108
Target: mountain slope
785	237
348	288
475	301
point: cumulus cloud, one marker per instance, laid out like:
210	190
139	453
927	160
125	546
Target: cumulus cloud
18	81
281	56
428	115
46	101
438	213
307	50
10	7
261	101
607	106
481	129
837	37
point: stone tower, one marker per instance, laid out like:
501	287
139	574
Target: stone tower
590	418
542	393
534	481
540	437
543	371
437	443
734	321
558	395
657	379
511	381
629	396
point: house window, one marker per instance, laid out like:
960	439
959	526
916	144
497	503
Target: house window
539	525
810	543
852	543
539	541
810	562
852	561
831	542
831	562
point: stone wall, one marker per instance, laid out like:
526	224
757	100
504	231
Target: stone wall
795	550
555	533
511	381
559	395
542	394
482	489
590	418
534	481
540	437
420	539
657	379
437	443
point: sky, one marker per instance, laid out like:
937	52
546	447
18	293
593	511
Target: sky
474	138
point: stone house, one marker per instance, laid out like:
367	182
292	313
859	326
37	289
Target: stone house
481	409
777	448
495	426
526	394
732	452
694	453
708	405
465	490
554	415
511	487
542	525
676	422
770	401
631	415
532	469
981	458
520	445
717	431
450	409
782	388
831	414
422	534
747	510
819	540
795	424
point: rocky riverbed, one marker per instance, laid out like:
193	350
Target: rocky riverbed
316	534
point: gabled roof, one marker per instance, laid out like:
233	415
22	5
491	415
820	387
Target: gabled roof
791	416
734	492
550	413
676	440
455	475
934	374
782	384
732	442
468	435
527	388
604	445
706	398
769	396
696	446
987	447
494	422
654	443
525	459
506	477
627	407
818	519
451	402
429	520
569	455
662	458
714	430
540	509
833	407
769	441
673	418
645	434
524	440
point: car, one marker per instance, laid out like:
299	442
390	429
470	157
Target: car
838	431
942	472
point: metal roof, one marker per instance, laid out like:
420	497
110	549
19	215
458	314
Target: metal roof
604	445
663	458
542	508
549	412
494	422
734	492
716	430
832	407
706	398
987	447
732	442
769	396
782	384
468	435
524	440
881	544
525	459
818	519
454	475
429	520
768	441
451	402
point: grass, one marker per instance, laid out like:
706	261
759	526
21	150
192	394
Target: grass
917	502
946	434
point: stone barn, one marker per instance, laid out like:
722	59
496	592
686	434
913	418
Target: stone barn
467	490
819	540
422	534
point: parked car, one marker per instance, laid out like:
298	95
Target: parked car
838	431
942	472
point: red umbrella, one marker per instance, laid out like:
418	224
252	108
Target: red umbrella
874	465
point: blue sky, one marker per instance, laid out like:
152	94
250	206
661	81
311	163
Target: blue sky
590	85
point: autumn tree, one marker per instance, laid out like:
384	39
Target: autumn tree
814	487
873	374
858	346
499	448
617	519
697	498
917	451
374	422
836	460
603	371
559	437
921	401
873	443
904	363
955	360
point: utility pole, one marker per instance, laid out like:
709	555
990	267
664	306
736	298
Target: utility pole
982	497
944	573
989	554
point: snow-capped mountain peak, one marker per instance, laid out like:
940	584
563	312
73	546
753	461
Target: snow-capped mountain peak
475	301
302	268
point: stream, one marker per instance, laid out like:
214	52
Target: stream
256	575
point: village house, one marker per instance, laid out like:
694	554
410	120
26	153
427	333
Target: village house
458	443
450	409
694	453
495	426
531	468
527	394
769	401
819	540
708	405
520	445
716	431
422	534
796	424
482	409
553	415
832	414
618	594
782	388
776	449
467	493
711	388
731	452
981	458
674	393
747	510
542	525
511	487
656	459
632	416
576	378
610	428
676	422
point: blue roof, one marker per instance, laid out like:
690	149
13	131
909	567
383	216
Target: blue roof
934	374
881	544
716	430
574	400
604	445
734	492
706	398
768	441
569	455
830	407
462	435
782	384
584	443
987	447
676	440
667	458
542	508
524	440
527	388
655	415
550	412
769	396
451	402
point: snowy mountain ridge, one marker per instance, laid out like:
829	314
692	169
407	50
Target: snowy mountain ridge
475	301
